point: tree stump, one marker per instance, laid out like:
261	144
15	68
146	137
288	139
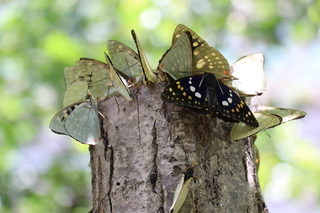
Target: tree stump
147	146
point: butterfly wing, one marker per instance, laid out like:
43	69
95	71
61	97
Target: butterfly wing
177	61
250	75
75	92
241	130
80	121
230	105
117	81
196	39
96	76
149	74
182	190
284	113
204	57
189	91
207	59
126	60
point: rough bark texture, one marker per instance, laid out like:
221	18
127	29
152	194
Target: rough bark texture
147	146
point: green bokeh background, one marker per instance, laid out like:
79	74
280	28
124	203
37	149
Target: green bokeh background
44	172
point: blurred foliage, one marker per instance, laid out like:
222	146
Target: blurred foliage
43	172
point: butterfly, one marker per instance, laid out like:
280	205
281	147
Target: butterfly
204	57
150	75
204	94
182	190
249	74
126	61
117	81
88	76
177	61
79	120
267	117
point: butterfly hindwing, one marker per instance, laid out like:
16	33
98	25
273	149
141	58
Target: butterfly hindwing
231	105
196	39
204	94
250	76
204	57
148	72
88	76
267	117
182	190
177	61
207	59
80	121
126	60
285	113
117	81
266	121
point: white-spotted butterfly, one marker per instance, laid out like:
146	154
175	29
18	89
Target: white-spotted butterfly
204	94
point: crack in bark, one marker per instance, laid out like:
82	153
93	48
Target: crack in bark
111	176
154	174
138	115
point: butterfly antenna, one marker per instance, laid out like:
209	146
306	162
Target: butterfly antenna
185	153
204	160
220	87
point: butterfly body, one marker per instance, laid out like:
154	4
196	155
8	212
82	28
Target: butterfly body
204	94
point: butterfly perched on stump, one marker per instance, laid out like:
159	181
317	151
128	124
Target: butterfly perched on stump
182	190
79	120
267	117
204	94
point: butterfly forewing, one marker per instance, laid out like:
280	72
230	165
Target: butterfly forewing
148	72
182	190
250	75
126	60
80	121
96	76
189	91
284	113
76	92
208	59
197	40
117	81
240	130
230	105
177	61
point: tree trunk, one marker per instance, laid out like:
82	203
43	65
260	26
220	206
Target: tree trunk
149	144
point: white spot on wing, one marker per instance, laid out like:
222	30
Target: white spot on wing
225	103
192	88
198	95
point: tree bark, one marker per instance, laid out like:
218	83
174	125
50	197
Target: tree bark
147	146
